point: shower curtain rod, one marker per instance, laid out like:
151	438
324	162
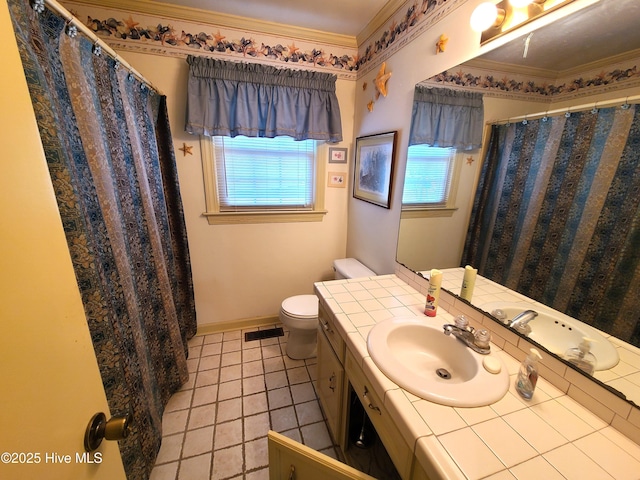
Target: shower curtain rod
577	108
71	20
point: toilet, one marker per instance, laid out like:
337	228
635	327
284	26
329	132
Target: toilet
300	312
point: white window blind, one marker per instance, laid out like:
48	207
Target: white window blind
264	173
428	176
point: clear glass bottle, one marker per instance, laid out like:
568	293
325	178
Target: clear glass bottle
528	375
582	357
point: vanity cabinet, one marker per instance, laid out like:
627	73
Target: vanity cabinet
418	472
330	382
401	454
330	386
327	324
339	373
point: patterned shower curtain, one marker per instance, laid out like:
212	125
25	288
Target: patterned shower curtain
108	146
557	215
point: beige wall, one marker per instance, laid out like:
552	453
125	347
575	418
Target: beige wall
245	271
372	231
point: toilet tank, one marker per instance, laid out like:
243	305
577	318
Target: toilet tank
350	268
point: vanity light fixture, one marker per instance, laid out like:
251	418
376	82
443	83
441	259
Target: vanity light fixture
487	15
520	3
494	18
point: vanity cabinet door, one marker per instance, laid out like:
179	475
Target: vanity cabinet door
418	472
330	386
290	460
401	454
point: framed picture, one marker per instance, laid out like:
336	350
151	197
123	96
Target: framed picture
337	155
373	172
337	180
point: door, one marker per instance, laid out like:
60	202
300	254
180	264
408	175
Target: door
50	385
290	460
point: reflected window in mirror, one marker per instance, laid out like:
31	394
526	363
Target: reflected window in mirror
431	179
444	124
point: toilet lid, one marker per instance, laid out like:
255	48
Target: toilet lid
305	306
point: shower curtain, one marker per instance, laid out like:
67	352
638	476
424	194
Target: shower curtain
108	146
557	215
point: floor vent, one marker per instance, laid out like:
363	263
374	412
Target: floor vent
262	334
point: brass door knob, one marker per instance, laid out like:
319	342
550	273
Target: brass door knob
116	428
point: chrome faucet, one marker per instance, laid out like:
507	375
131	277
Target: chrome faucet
476	340
521	321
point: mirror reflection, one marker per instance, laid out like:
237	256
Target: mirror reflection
551	232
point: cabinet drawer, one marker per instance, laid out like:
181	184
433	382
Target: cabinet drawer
330	386
327	324
391	437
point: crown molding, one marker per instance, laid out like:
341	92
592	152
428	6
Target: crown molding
553	75
382	17
604	63
501	67
176	12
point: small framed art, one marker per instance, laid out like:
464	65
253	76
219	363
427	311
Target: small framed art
337	179
337	155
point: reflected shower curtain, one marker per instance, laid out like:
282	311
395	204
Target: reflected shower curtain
108	146
557	215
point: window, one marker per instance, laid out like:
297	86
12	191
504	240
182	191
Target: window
430	181
258	180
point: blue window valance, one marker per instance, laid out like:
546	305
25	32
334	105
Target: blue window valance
443	117
255	100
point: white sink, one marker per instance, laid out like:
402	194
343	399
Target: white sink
418	356
558	332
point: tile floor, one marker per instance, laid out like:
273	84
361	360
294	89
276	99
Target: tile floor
216	426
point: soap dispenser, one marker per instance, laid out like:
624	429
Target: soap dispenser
582	357
528	375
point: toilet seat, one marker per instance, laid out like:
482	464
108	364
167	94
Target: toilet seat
301	306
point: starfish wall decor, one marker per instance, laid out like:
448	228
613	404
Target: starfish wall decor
186	149
441	45
381	81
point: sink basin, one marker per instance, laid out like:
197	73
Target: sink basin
558	332
420	358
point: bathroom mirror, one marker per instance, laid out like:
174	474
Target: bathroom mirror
605	30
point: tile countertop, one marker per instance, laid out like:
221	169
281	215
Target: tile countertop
551	436
625	376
